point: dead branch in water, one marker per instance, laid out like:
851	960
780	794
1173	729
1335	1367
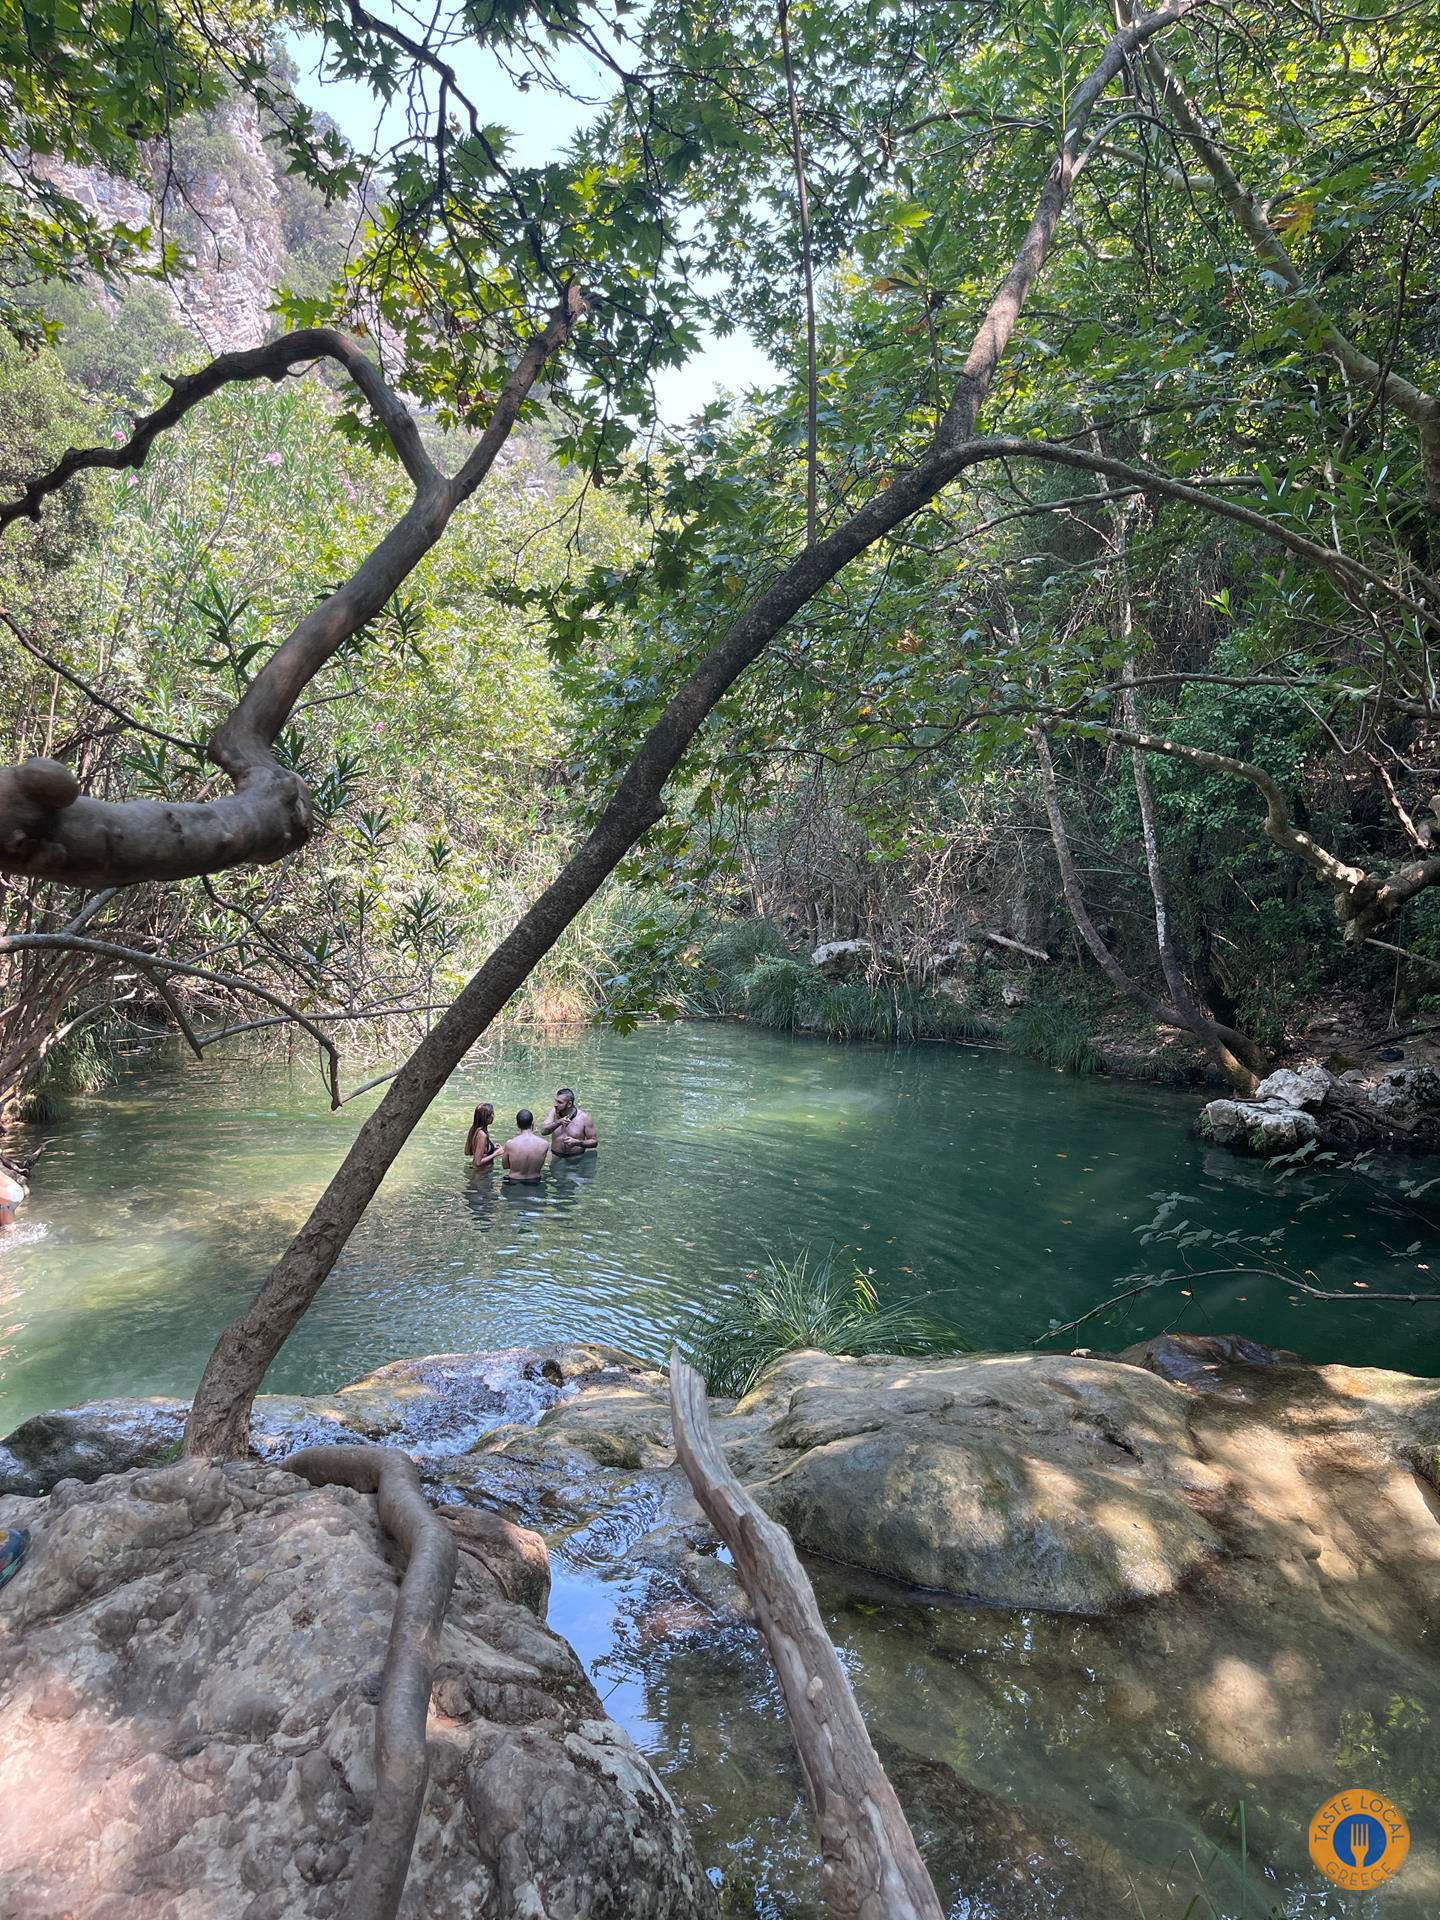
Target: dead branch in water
871	1868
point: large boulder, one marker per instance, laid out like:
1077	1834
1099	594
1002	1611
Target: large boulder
1297	1107
844	959
1020	1480
189	1661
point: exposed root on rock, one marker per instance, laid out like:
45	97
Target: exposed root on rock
402	1764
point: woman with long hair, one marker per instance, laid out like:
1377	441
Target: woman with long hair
480	1149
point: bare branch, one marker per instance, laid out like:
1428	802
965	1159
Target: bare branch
177	1012
871	1868
272	361
93	693
237	983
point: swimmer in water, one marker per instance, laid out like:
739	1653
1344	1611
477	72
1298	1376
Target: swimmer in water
523	1157
480	1150
569	1128
12	1192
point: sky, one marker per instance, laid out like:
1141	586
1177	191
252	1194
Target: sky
541	123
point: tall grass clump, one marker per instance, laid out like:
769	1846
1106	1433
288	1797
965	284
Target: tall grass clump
1057	1035
78	1065
803	1303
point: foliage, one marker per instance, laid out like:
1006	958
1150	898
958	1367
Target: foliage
89	83
1057	1034
829	1304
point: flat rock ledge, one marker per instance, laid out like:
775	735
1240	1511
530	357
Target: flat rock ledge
1312	1107
189	1661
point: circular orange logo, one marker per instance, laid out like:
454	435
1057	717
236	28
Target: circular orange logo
1358	1839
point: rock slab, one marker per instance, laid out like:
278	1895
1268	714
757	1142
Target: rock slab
189	1662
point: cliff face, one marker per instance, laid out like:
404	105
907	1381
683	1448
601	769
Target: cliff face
214	194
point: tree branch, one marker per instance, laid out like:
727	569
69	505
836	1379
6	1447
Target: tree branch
49	830
402	1757
237	983
870	1866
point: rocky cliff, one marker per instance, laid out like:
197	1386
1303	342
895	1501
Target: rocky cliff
216	194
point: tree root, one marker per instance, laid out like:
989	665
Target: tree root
402	1762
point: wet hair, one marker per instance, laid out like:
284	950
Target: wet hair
565	1093
524	1118
484	1114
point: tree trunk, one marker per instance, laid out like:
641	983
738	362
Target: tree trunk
1209	1031
1240	1059
871	1868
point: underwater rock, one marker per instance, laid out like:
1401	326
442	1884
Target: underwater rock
190	1658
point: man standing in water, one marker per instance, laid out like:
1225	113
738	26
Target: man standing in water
569	1129
523	1157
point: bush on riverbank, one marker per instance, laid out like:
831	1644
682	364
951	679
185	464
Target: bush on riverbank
793	1305
747	970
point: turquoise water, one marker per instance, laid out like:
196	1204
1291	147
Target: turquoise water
1010	1195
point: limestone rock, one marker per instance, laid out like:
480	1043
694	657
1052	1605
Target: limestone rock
1027	1481
843	959
1293	1107
188	1664
433	1407
1019	1480
1262	1129
228	219
1289	1087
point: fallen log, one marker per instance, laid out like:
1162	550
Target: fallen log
870	1866
1013	946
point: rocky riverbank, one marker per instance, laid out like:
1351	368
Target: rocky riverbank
1089	1608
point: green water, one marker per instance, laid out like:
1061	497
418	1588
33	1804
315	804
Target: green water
1009	1194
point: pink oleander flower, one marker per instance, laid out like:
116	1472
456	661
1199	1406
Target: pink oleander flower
379	726
117	434
350	494
274	459
132	479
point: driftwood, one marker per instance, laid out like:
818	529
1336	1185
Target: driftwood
1013	946
402	1761
870	1867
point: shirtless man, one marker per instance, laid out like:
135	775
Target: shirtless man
523	1157
569	1129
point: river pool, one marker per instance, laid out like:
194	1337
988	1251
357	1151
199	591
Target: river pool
1009	1195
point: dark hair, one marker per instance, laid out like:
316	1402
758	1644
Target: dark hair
524	1118
564	1093
484	1114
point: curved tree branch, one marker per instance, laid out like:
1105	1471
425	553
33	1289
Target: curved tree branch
48	829
272	361
402	1760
